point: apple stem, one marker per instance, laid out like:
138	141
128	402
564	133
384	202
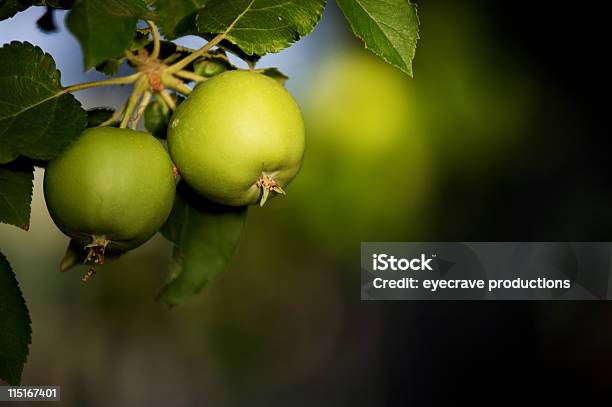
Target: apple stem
267	184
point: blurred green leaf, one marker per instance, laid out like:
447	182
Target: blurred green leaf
37	120
260	26
176	18
390	28
111	66
9	8
15	326
205	235
104	29
16	193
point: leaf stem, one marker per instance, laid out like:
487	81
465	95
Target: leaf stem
167	99
156	42
180	65
124	80
139	89
190	76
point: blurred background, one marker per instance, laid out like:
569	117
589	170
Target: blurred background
501	135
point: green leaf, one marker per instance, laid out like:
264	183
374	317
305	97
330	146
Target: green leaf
260	26
176	18
37	119
16	193
99	115
15	326
9	8
205	235
104	28
389	28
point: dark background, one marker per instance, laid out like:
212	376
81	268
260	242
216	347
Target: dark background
525	350
502	135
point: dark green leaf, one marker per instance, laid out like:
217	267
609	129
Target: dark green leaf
260	26
15	326
176	18
389	28
37	120
16	193
205	235
277	75
8	8
104	28
99	115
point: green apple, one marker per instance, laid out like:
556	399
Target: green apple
112	187
238	138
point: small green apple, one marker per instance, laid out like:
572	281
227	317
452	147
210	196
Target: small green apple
238	138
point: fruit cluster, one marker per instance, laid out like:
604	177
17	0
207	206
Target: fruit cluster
238	139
